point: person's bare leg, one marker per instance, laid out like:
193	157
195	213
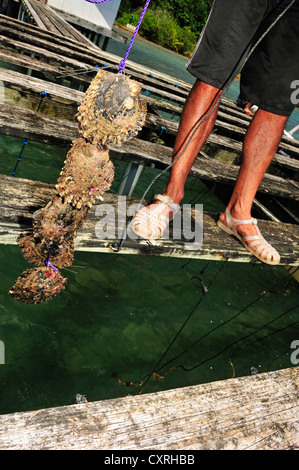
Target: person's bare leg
199	103
260	145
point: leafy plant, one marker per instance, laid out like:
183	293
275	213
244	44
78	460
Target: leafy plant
174	24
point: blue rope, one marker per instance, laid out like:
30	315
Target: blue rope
44	93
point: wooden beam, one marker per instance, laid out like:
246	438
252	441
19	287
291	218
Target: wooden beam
91	26
257	412
29	8
17	81
29	125
50	21
32	63
48	56
34	30
93	56
20	198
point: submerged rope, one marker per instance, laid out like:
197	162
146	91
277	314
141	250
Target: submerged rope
43	94
250	304
158	367
204	292
189	369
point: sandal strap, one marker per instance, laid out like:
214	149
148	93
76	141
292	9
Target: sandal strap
168	202
150	223
231	221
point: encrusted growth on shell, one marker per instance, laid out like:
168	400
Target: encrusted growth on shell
58	220
36	251
37	285
111	110
87	174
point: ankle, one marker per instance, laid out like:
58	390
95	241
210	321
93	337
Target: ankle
175	194
239	212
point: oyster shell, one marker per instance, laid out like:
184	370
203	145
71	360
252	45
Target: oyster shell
111	111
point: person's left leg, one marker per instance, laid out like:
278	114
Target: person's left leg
260	144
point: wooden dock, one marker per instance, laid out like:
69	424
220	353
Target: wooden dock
60	23
27	124
256	412
259	412
38	48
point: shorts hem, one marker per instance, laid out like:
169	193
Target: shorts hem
203	78
270	109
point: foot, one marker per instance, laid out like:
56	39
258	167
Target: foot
243	229
151	221
250	236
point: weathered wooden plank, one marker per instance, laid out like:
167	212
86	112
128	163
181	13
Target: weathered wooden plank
59	58
16	81
64	27
19	198
24	83
28	7
48	56
36	31
232	138
30	62
226	126
112	34
38	127
48	20
248	413
97	56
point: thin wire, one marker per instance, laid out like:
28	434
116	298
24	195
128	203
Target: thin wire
269	334
204	292
81	71
232	344
278	283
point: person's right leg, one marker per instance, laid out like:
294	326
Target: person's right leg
189	141
195	127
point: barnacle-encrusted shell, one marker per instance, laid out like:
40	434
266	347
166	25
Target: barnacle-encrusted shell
87	173
36	251
37	285
111	110
58	220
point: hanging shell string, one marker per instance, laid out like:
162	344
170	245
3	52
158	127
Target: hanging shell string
122	63
50	265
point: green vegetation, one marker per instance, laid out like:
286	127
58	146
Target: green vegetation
174	24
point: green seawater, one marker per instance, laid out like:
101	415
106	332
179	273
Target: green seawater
119	313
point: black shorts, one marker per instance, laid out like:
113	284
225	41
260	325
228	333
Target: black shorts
271	70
